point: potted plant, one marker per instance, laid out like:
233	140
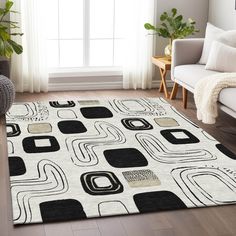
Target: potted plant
173	27
7	45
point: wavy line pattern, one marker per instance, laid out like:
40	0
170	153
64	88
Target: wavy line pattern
159	152
137	107
82	148
196	183
51	181
30	111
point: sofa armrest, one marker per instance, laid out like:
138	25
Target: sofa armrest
186	51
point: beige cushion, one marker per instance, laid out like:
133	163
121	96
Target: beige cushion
228	38
221	58
212	33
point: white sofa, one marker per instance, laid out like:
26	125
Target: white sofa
186	72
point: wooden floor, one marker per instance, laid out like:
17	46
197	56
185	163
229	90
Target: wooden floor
215	221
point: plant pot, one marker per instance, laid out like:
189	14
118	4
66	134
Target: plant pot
5	68
168	49
7	90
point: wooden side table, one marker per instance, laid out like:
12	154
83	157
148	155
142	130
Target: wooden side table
164	64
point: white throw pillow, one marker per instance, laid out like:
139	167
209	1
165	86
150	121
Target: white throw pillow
228	38
221	58
212	33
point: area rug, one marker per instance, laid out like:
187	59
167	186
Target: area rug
93	158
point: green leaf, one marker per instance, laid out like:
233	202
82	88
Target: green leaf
2	48
2	11
164	25
164	33
178	24
148	26
15	34
8	5
14	11
174	12
14	25
7	50
4	35
164	16
4	28
8	46
8	21
179	18
18	49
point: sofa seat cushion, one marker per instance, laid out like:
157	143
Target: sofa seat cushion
191	74
227	97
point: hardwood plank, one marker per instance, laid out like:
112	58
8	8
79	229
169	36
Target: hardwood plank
58	229
27	230
111	226
136	225
157	221
227	235
88	232
3	182
84	224
164	232
184	223
213	224
227	214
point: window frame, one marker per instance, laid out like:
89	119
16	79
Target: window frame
86	69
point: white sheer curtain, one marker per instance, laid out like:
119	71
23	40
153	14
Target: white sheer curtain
137	70
29	70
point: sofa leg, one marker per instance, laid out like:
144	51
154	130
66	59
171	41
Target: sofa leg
185	97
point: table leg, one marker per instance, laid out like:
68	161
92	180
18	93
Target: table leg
161	87
163	80
174	91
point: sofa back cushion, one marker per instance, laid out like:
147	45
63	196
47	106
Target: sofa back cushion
228	38
221	58
212	33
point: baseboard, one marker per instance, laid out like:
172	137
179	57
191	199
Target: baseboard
85	86
96	85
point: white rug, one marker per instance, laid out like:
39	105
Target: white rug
81	159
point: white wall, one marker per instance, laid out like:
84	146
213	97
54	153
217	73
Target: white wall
222	13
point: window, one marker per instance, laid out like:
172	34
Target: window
85	33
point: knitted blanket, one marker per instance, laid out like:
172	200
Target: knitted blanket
206	94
